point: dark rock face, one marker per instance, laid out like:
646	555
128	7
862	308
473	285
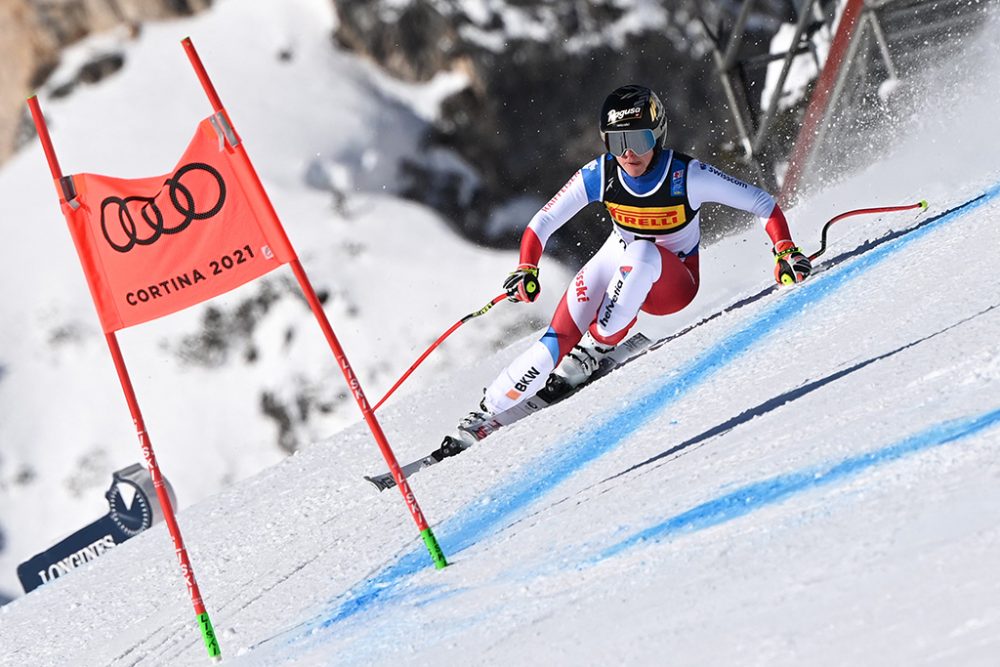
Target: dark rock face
538	73
414	43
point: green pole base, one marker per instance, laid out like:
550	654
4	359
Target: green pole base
432	546
208	634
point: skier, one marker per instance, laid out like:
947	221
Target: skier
649	261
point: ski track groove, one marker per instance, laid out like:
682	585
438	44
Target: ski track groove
773	490
787	397
696	442
385	564
154	641
604	437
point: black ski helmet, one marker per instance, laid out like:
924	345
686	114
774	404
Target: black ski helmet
630	108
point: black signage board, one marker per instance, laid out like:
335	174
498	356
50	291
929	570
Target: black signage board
132	508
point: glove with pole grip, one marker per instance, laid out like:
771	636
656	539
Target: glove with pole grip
522	284
790	265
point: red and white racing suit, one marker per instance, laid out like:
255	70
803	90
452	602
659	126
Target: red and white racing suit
649	262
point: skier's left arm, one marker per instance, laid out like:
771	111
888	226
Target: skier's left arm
707	184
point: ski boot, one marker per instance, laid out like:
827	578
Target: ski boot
477	424
581	362
472	428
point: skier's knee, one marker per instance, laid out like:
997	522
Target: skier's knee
606	336
645	255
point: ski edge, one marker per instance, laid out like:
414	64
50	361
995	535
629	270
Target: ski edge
635	346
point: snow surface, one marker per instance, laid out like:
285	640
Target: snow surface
326	133
810	478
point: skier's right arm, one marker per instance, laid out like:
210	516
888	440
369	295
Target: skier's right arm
522	284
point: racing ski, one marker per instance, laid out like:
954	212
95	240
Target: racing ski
555	390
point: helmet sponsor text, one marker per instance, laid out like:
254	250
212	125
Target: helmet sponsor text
618	115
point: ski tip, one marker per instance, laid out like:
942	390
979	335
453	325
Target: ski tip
381	483
923	204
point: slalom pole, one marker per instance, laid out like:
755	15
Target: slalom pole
64	191
204	622
430	541
482	311
922	204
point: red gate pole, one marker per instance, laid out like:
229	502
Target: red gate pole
823	92
437	555
204	622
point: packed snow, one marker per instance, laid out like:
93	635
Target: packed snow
326	134
810	477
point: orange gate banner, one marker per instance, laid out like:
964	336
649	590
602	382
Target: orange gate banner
154	246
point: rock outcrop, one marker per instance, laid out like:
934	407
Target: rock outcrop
538	73
33	32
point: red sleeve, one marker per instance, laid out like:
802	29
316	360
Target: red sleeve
777	229
531	248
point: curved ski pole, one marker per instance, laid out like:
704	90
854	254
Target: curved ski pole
922	204
482	311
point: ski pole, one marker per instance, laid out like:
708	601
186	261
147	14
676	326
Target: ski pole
482	311
922	204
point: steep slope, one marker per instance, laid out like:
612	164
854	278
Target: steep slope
230	387
808	479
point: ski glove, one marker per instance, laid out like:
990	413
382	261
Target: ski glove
522	284
790	265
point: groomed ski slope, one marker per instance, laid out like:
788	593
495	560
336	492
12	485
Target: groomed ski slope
706	498
812	478
221	392
809	479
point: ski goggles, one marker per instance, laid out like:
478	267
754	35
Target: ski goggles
639	141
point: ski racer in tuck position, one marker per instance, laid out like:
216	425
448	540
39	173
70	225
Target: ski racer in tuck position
649	261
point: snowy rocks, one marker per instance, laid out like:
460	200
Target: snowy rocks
537	74
32	33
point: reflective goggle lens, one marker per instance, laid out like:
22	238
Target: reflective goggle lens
640	141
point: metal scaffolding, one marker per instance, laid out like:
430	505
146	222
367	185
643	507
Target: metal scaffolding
871	42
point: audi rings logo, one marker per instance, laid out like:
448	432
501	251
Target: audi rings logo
118	220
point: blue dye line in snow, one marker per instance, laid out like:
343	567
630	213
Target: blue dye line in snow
592	443
756	496
467	529
382	587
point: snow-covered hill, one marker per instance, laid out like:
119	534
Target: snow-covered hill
811	478
325	132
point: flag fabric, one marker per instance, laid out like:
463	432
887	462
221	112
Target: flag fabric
154	246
